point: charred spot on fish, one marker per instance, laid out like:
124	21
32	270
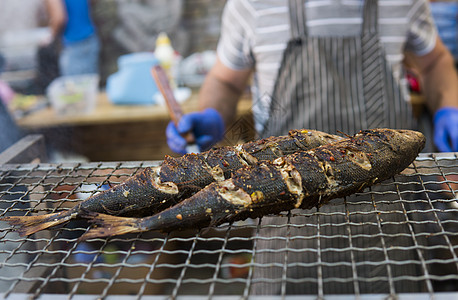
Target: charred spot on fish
185	170
292	179
121	209
328	170
307	139
246	158
330	177
232	194
275	149
165	187
359	158
380	134
257	196
329	181
216	171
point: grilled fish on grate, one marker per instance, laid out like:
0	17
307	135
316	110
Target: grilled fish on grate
155	189
304	179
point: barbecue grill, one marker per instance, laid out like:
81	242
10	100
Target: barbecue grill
396	239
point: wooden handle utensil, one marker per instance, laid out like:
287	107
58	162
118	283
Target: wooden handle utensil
175	111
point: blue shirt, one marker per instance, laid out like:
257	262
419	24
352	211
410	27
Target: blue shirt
79	23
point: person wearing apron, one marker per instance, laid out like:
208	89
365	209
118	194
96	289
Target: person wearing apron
329	83
346	97
361	93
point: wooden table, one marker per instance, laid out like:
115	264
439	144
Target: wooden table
122	132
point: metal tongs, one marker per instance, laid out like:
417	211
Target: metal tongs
175	111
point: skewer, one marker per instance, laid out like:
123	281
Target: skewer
174	108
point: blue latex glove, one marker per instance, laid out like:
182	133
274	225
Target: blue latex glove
207	127
446	129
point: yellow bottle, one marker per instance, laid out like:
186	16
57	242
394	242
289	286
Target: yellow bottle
164	52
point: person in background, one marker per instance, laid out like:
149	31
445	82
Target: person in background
445	14
316	90
71	21
332	66
9	131
6	92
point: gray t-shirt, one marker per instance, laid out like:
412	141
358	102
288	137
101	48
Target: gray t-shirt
255	33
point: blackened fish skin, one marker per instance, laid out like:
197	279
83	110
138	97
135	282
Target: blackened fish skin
133	197
304	179
155	189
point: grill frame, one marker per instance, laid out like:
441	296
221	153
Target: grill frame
184	256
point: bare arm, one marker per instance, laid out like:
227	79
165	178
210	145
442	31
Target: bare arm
438	75
57	16
222	89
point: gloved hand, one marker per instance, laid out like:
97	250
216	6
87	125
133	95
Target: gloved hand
207	127
446	129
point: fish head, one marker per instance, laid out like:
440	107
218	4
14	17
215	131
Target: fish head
404	143
409	140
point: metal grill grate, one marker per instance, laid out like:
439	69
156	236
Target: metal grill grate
398	237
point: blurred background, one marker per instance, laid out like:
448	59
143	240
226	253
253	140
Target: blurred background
121	120
124	26
118	114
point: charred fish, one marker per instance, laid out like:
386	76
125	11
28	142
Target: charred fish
155	189
305	179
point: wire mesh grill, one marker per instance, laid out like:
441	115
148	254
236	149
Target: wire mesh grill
397	237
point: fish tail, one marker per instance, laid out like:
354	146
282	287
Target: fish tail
26	225
108	225
190	213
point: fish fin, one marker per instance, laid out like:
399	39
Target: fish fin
26	225
221	218
345	134
107	225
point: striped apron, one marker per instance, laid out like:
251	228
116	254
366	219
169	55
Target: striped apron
336	83
329	84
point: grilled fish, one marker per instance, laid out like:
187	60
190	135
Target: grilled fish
305	179
155	189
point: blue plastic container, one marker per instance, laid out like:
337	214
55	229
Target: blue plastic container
133	83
